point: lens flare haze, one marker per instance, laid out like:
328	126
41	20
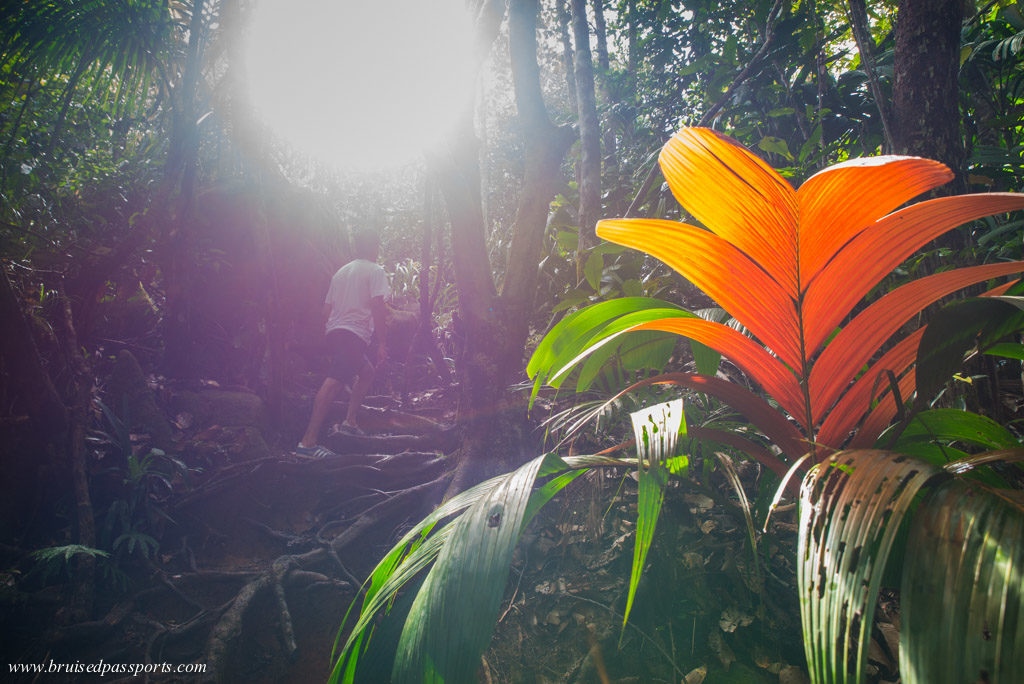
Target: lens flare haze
359	84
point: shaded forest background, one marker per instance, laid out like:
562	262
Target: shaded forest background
165	256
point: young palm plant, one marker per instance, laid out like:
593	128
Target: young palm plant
790	266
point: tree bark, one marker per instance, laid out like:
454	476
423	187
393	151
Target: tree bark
926	113
632	47
425	331
546	145
28	388
33	414
80	605
608	98
177	242
494	327
866	47
567	51
590	132
481	359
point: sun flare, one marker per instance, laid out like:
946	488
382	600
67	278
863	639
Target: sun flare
358	84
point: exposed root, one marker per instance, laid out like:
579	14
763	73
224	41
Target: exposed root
287	630
378	513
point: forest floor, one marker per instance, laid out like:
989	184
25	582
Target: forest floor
261	552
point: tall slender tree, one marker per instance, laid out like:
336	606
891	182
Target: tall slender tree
608	144
590	132
926	113
562	9
494	324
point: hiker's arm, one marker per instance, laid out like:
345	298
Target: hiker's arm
379	312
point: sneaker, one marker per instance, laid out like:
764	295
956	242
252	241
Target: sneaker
313	451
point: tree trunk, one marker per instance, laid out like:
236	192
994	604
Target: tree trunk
604	67
590	132
494	328
866	47
28	389
567	51
632	48
424	341
926	113
80	603
33	414
176	249
546	145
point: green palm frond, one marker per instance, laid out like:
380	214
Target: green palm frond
66	553
851	507
453	615
962	596
454	612
113	46
598	328
657	430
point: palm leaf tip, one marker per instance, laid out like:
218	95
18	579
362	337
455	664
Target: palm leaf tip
737	196
657	430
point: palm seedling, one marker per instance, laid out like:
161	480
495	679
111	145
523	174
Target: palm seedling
791	267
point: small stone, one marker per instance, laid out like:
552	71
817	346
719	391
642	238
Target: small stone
791	674
696	675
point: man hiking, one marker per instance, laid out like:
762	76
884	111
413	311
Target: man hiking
354	309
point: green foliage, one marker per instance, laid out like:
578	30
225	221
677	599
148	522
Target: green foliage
657	430
601	324
56	560
57	553
851	507
75	80
961	596
445	638
114	47
960	578
133	521
969	325
603	271
452	616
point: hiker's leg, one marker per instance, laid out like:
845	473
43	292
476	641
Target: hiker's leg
359	390
321	406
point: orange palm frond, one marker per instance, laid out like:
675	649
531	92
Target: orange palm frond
737	196
791	265
721	270
875	252
856	401
858	341
749	356
849	197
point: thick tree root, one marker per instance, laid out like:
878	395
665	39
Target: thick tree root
440	441
271	552
331	542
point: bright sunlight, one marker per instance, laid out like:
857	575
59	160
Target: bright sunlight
359	84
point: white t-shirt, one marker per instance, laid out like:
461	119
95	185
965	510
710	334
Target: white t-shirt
352	288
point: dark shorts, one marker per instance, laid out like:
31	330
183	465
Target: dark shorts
347	352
